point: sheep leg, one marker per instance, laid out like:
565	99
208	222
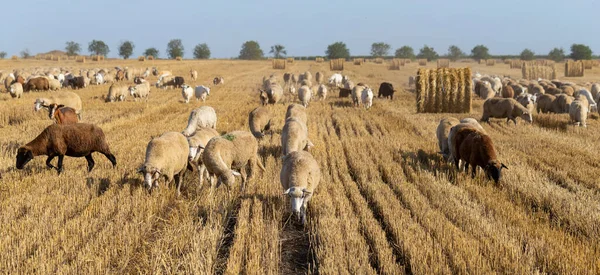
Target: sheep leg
466	166
111	158
244	178
201	170
90	162
178	181
59	168
48	160
473	171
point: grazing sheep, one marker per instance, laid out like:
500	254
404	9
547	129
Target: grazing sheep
356	91
300	176
201	92
485	90
77	82
178	81
297	111
9	81
271	95
561	104
62	114
495	83
306	82
15	90
348	85
319	77
232	151
68	99
553	91
528	101
545	103
411	81
304	95
197	142
286	78
507	108
116	92
73	140
568	90
140	80
344	92
442	132
204	116
307	76
578	112
322	92
477	149
536	89
386	90
292	90
518	89
120	75
591	103
187	93
141	90
335	80
37	84
464	123
218	80
99	79
367	98
295	79
508	92
164	82
54	84
260	121
167	157
294	136
595	90
193	74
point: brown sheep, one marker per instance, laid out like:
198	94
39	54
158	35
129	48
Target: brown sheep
568	90
37	84
544	103
73	140
62	114
562	103
120	76
553	91
507	108
477	149
259	121
345	92
508	92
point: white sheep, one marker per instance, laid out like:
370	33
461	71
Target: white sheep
16	90
201	92
297	111
300	175
367	98
193	74
197	142
294	136
140	90
335	80
204	116
304	95
356	92
187	93
578	112
166	156
442	132
116	92
68	99
54	84
593	107
322	92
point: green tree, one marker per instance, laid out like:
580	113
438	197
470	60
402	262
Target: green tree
25	53
151	52
427	52
175	48
581	52
278	51
380	49
126	49
337	50
98	47
557	54
480	52
2	55
527	55
251	51
454	53
72	48
405	52
201	51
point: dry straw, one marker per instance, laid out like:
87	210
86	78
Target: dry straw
278	64
290	60
490	62
574	69
532	71
443	63
337	64
319	59
142	58
443	90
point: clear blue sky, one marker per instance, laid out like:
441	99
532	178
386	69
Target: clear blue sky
303	27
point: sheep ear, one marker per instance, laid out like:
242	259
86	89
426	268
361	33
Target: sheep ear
306	192
503	166
287	191
235	173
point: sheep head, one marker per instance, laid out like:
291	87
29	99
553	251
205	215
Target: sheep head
151	175
493	170
24	155
298	200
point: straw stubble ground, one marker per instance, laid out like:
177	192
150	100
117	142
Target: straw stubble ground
387	203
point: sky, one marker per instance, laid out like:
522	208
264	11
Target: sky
305	27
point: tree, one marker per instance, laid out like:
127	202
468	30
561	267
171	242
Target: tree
72	48
25	53
427	52
201	51
405	52
380	49
151	52
454	53
98	47
337	50
557	54
581	52
480	52
278	51
2	55
175	48
126	49
251	51
527	55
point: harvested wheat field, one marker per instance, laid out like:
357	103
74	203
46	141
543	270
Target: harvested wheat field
387	202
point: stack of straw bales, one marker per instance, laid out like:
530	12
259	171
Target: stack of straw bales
532	71
444	90
516	64
290	60
422	62
490	62
278	64
142	58
319	59
574	69
443	63
337	64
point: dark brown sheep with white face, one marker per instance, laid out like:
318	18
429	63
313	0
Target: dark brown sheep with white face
73	140
62	114
477	149
37	84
